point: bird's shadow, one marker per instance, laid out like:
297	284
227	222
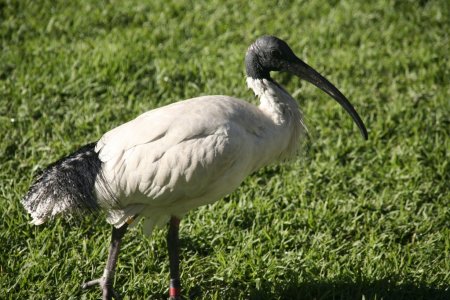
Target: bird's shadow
305	289
381	289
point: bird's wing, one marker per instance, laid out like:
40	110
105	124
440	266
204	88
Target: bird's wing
177	152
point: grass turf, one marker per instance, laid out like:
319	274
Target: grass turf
349	220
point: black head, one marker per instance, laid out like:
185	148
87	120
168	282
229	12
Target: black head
269	53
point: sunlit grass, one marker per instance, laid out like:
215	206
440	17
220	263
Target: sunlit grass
351	219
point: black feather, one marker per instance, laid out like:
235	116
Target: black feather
67	185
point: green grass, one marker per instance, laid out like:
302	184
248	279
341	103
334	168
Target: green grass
349	220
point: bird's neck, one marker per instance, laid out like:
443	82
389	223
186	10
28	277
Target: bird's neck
274	100
282	109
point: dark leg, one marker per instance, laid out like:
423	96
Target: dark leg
106	281
174	259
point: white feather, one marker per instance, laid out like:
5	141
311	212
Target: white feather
178	157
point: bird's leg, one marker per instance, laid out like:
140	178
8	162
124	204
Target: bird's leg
174	259
106	281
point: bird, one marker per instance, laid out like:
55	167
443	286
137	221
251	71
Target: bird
172	159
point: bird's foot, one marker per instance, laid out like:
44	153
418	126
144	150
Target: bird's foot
105	286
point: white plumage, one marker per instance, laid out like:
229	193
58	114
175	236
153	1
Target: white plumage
175	158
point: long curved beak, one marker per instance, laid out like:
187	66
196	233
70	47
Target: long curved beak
302	70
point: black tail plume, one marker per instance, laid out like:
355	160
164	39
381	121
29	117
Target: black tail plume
67	185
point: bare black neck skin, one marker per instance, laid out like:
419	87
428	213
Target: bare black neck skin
254	68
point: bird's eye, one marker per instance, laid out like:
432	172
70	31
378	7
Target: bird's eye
275	53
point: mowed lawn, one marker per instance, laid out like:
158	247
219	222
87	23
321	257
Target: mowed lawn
349	219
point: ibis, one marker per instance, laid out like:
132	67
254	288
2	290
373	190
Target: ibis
175	158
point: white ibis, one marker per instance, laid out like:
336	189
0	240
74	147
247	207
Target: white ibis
175	158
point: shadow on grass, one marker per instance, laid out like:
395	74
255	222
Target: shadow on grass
387	288
382	289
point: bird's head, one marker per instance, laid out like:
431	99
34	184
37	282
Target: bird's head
269	53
